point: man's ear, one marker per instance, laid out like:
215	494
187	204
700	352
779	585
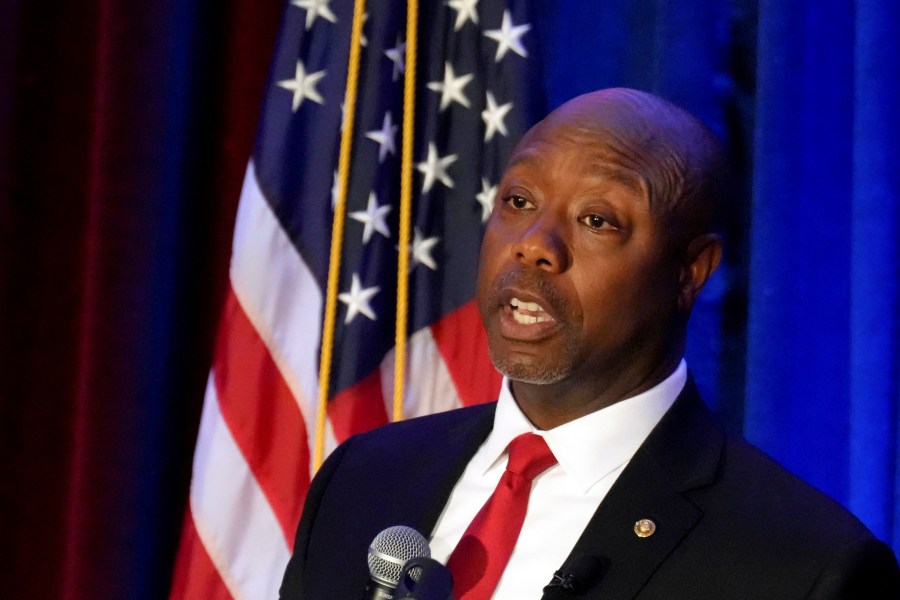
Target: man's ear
701	259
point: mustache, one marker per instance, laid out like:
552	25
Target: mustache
534	281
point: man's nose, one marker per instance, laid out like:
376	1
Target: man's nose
543	245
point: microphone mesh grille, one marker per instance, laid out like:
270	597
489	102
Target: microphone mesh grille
391	549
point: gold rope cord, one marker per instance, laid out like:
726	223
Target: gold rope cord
409	110
337	232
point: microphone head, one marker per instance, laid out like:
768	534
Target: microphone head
390	550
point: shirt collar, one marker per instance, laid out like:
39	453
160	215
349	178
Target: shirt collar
593	446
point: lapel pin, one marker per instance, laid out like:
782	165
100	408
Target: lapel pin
644	528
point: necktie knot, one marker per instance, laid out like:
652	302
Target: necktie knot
529	456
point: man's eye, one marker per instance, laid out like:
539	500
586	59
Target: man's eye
596	222
518	202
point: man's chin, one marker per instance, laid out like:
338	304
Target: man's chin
537	374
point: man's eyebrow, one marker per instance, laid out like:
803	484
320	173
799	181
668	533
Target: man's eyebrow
626	177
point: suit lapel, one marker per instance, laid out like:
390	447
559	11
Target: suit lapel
445	463
680	454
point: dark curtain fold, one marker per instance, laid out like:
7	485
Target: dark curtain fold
124	134
126	129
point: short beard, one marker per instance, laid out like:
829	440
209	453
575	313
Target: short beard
545	373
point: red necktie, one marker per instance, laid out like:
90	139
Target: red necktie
481	555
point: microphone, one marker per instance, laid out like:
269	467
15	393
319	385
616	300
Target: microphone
576	574
388	553
424	579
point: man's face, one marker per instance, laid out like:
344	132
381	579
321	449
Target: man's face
577	283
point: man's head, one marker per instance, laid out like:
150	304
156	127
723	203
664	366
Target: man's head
599	242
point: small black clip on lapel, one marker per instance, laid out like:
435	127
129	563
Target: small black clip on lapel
565	581
577	574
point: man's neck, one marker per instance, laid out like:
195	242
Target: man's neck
554	404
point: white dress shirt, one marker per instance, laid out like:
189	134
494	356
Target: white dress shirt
592	451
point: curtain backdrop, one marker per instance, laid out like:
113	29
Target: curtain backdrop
822	358
124	134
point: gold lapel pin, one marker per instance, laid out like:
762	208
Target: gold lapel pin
644	528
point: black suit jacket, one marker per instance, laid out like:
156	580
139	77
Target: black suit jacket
731	523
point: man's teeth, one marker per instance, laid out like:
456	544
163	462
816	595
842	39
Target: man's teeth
532	307
529	306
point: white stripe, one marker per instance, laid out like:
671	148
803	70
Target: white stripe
232	516
280	296
429	387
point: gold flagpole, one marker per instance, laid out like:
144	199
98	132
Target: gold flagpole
409	111
337	232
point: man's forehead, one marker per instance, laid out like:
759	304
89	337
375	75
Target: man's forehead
605	159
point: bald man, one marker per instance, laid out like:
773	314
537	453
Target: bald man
599	242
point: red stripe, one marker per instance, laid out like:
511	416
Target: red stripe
262	415
195	577
461	339
358	408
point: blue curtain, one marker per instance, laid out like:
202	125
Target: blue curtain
795	341
822	366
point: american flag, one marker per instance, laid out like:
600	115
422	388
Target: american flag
476	85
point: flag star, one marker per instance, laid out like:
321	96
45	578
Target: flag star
435	168
451	88
315	8
421	250
385	137
363	40
357	300
303	86
373	218
508	37
335	190
397	54
486	198
493	117
465	11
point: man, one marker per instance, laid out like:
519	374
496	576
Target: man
598	245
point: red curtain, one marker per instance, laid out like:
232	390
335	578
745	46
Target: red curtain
125	128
